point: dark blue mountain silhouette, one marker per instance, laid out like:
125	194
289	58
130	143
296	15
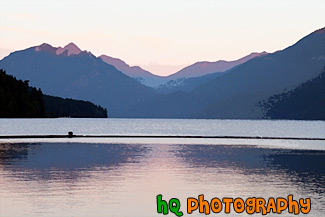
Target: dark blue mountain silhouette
78	75
237	93
307	101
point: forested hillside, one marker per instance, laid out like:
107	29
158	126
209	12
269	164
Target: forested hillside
306	102
77	76
59	107
19	100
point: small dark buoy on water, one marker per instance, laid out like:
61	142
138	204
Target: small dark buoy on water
70	134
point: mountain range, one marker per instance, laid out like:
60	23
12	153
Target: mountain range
76	74
198	73
141	75
238	92
203	68
221	89
177	79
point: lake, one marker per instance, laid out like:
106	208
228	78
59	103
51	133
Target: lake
122	177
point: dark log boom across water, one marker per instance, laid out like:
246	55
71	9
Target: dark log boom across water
71	135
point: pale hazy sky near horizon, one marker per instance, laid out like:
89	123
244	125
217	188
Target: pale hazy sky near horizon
160	35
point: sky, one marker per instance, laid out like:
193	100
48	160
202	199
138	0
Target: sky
161	36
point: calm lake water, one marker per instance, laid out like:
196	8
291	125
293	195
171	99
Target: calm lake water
122	177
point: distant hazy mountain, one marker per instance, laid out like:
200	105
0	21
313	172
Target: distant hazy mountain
204	68
237	93
132	71
186	84
71	73
136	72
194	75
168	83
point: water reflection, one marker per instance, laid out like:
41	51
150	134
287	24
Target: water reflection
9	152
253	160
79	179
49	160
266	172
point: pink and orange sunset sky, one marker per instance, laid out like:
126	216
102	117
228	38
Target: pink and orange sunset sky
160	35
